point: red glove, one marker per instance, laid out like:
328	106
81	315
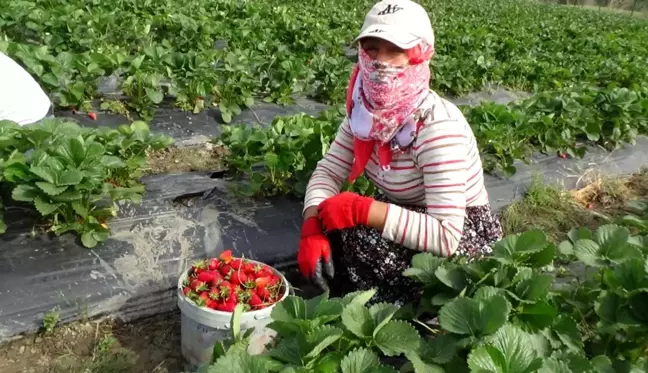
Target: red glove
346	210
314	249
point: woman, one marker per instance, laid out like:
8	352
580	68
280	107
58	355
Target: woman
419	151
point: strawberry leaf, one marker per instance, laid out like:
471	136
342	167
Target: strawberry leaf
475	317
50	188
44	207
397	337
357	319
506	351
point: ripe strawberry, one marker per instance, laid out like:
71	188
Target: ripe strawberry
199	266
236	264
562	155
227	306
211	304
198	285
206	276
226	256
248	268
238	278
186	290
217	277
214	294
263	293
266	271
92	115
255	301
214	264
225	270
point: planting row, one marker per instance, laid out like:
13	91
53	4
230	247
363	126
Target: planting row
74	176
230	53
579	307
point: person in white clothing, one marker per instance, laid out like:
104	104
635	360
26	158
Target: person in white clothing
22	100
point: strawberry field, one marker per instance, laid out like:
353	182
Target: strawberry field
573	301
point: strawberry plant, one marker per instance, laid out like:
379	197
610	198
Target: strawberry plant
74	176
513	311
279	160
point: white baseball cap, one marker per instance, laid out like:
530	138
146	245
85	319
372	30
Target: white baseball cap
401	22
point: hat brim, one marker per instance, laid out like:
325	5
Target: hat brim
403	40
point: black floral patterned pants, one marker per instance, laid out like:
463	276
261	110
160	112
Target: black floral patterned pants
363	259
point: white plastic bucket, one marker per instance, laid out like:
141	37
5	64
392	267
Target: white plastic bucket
201	327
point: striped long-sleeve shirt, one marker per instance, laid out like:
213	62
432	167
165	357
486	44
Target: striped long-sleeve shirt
441	170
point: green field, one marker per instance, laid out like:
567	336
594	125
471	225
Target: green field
589	70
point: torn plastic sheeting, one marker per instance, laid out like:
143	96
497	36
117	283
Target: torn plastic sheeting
133	273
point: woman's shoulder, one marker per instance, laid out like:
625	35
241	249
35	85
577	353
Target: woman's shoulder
441	117
440	109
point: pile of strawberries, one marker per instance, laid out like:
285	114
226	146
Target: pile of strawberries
221	283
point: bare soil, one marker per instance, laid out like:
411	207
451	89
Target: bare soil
204	157
150	345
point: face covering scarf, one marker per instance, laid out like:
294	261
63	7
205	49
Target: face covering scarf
385	96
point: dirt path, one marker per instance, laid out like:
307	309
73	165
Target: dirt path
148	346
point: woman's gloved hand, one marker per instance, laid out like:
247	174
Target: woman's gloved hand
345	210
314	253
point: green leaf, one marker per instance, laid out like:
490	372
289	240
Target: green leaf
235	322
359	297
567	331
44	173
440	350
606	306
320	339
357	319
421	366
154	95
397	337
50	189
329	363
423	268
631	274
80	209
516	249
506	351
291	308
602	364
534	288
576	234
453	278
537	315
360	360
24	193
69	177
288	351
554	366
381	313
587	252
110	161
44	207
474	317
88	240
